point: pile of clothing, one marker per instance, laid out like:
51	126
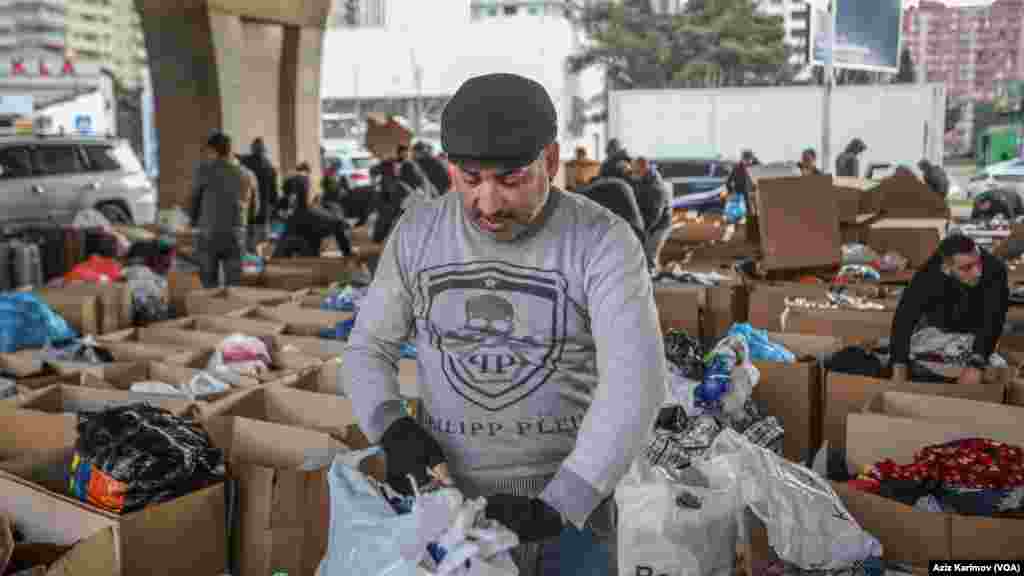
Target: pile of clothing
130	457
709	393
973	476
149	295
856	254
240	355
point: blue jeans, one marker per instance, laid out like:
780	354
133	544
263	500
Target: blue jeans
578	553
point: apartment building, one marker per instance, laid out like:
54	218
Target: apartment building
41	38
358	14
969	48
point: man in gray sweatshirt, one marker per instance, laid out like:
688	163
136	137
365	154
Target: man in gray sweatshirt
540	361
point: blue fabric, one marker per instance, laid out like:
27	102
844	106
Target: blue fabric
761	347
576	553
27	322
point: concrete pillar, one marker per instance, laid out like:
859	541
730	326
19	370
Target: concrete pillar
249	69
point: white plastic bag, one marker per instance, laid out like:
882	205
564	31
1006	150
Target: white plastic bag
365	533
661	533
807	523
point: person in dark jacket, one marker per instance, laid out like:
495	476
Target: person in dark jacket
809	163
308	221
615	155
391	195
654	201
935	177
848	163
997	202
258	161
618	196
962	289
436	170
410	172
218	191
740	181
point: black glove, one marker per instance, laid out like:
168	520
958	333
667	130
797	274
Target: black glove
410	450
530	518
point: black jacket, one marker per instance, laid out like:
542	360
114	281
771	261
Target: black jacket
653	200
945	303
266	176
848	165
936	179
617	195
436	172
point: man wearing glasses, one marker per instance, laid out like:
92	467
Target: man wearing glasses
960	290
540	362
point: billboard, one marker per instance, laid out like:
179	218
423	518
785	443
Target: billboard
867	34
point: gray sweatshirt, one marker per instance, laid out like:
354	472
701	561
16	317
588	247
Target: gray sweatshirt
511	339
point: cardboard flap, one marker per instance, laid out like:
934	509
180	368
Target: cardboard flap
806	345
182	337
798	220
233	325
97	554
904	195
907	535
66	398
679	307
989	538
46	468
321	348
34	508
30	432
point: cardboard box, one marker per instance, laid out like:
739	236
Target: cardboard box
326	413
1015	392
180	285
895	425
121	376
24	432
282	278
680	307
846	394
793	392
798	222
134	351
187	535
326	271
905	196
221	301
283	366
82	312
321	348
65	398
22	363
115	303
223	325
915	239
851	326
284	511
298	321
767	301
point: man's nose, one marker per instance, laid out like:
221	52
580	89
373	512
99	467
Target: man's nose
488	199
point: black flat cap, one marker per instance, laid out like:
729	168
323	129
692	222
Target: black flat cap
503	119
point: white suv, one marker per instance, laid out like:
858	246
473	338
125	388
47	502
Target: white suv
53	177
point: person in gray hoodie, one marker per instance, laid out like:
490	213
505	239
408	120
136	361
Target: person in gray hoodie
219	193
540	363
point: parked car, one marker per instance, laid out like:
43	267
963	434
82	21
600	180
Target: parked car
53	177
1009	174
696	183
352	168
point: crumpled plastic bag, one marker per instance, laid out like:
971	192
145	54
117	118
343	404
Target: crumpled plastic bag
761	347
670	527
441	531
149	289
199	386
729	377
807	523
858	254
239	355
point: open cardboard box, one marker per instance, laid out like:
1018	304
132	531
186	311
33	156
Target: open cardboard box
849	325
325	270
282	278
24	432
767	301
896	425
122	376
284	508
723	305
223	325
66	398
82	312
914	239
793	392
187	535
681	308
321	348
219	301
284	366
298	321
847	393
